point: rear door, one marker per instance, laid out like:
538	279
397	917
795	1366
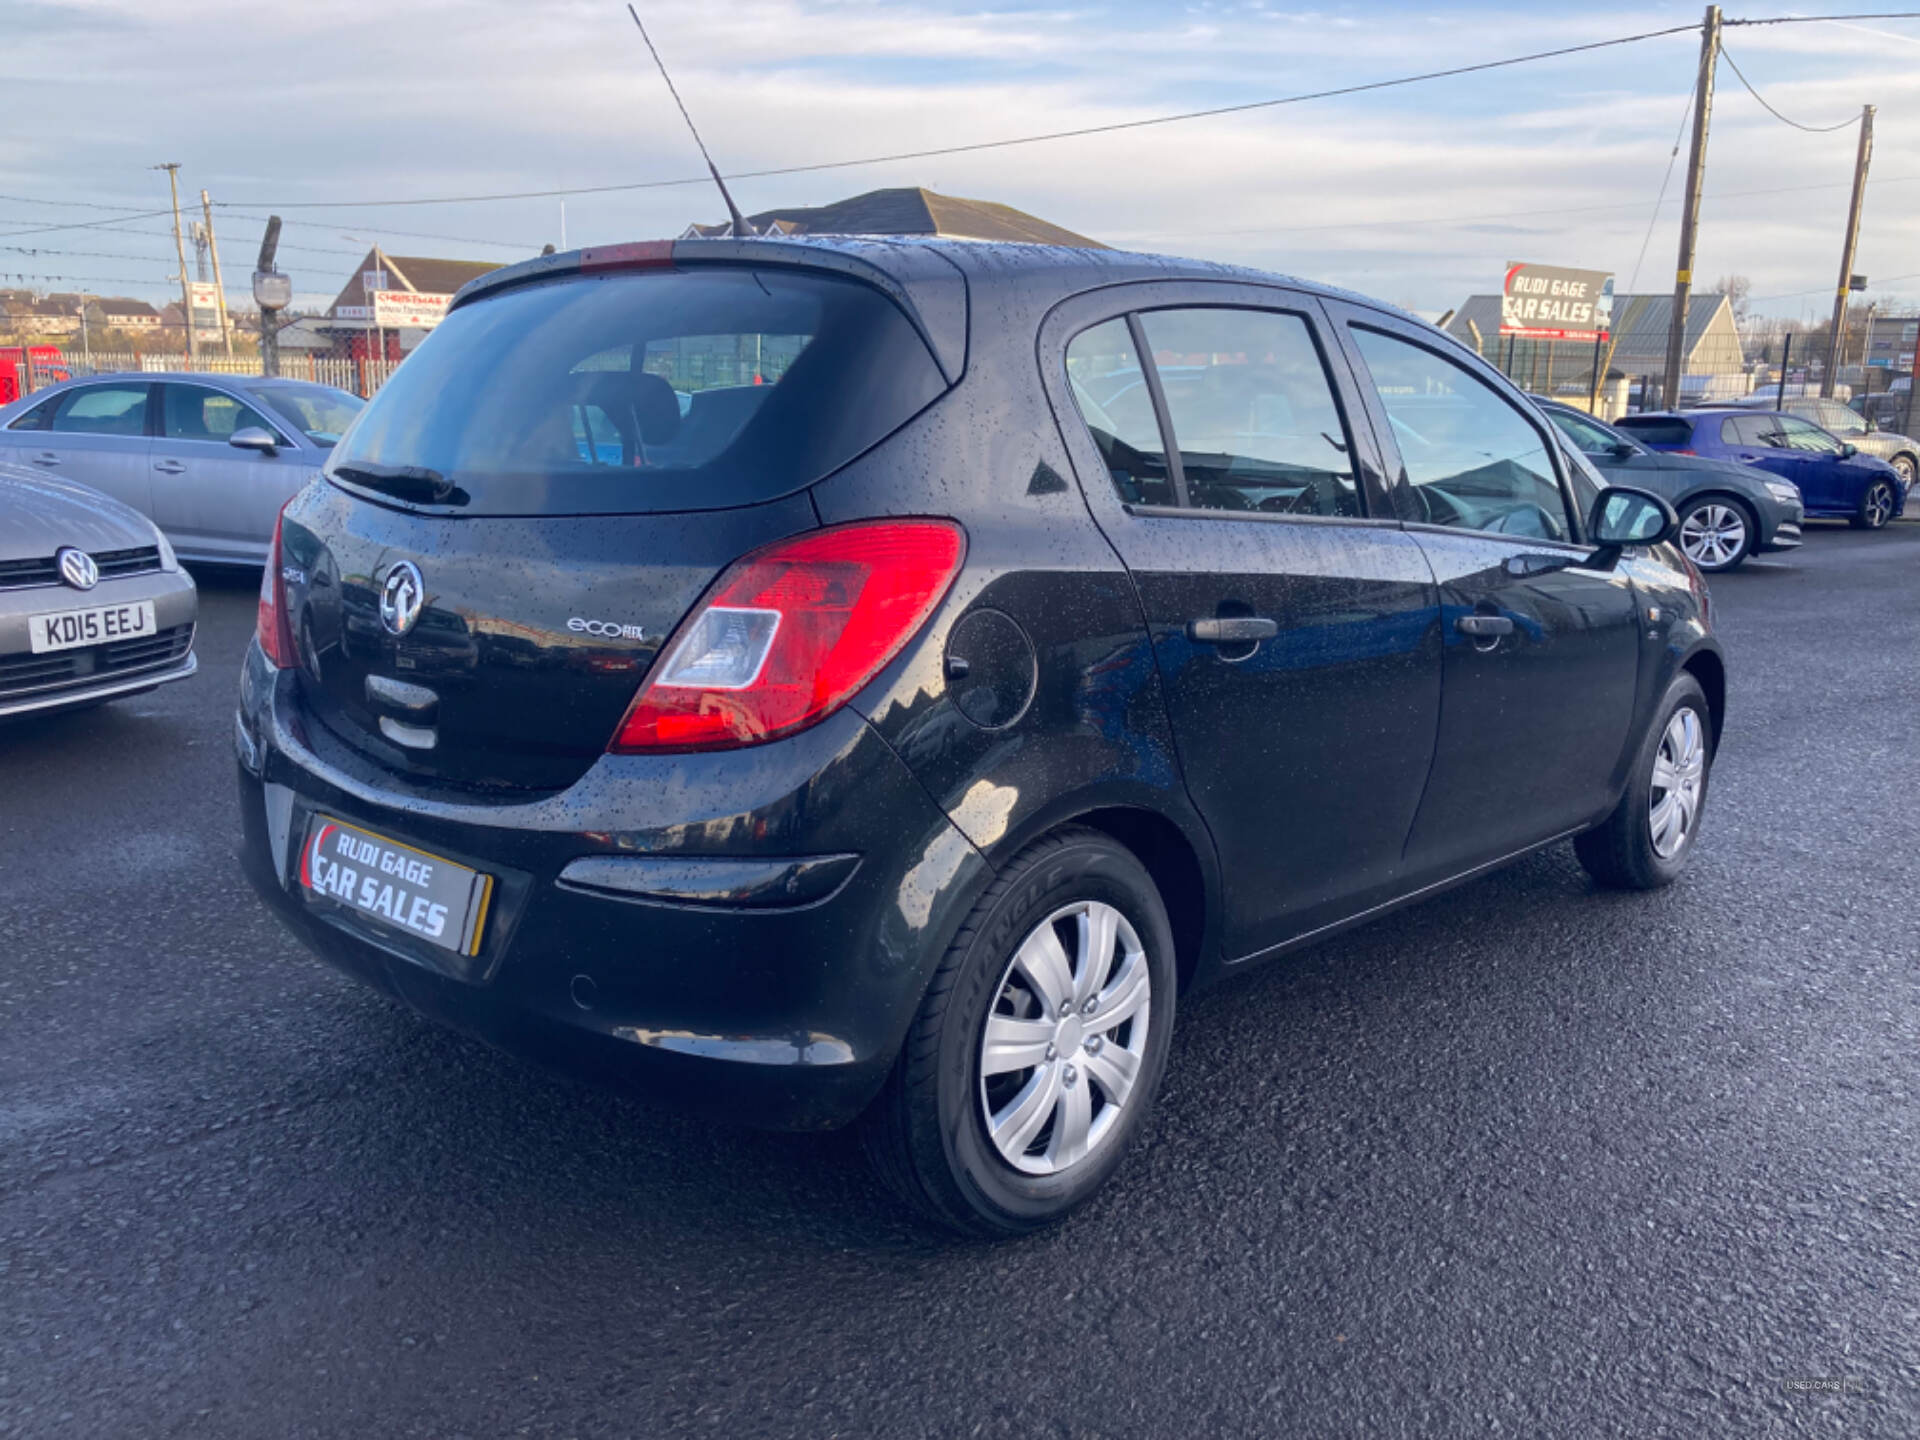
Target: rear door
1541	652
1294	624
97	435
214	501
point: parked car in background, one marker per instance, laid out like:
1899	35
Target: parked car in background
1851	427
1889	409
1834	479
211	458
894	740
93	605
1727	511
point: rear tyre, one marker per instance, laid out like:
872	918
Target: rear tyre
1876	506
1039	1047
1644	844
1717	532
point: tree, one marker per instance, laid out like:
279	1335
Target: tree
1739	292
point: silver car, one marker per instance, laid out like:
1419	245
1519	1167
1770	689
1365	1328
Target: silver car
93	604
211	458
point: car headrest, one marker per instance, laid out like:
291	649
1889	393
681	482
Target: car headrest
656	407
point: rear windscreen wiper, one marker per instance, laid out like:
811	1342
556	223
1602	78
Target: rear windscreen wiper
409	482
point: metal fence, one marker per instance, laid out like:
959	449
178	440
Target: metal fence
362	377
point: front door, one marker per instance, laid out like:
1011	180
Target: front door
1820	468
1541	651
214	501
1294	624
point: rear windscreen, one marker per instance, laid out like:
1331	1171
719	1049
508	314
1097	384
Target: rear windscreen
652	391
1656	429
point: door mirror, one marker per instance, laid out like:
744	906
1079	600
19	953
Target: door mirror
1624	516
1849	450
254	438
1623	449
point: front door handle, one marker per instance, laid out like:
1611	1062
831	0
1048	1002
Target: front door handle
169	467
46	457
1484	627
1232	629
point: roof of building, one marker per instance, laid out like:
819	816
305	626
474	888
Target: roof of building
909	210
1639	321
120	305
422	274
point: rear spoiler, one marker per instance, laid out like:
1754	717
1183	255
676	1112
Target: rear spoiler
928	287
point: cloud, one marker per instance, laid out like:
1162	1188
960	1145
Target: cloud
1416	193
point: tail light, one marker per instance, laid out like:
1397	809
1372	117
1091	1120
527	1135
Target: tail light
1684	451
270	626
789	633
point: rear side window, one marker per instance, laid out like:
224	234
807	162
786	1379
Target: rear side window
1252	412
103	410
652	391
1657	429
1110	386
39	417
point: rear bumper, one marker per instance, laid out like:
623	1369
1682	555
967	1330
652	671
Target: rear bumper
747	935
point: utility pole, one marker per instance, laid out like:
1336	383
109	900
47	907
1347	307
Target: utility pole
213	249
1690	203
272	292
1834	336
172	167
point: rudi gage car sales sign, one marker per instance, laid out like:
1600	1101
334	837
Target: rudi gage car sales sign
1546	302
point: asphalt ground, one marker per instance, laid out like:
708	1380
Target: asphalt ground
1527	1160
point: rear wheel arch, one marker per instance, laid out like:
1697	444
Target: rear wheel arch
1175	866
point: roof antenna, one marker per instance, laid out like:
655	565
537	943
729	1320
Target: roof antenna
740	226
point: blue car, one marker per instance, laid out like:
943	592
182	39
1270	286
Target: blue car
1836	481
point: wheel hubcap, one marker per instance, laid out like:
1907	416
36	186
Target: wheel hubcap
1679	772
1064	1040
1713	535
1879	505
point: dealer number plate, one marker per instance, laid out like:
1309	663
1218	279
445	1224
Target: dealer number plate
396	886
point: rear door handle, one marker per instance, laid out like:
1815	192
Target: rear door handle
1232	629
169	467
1484	627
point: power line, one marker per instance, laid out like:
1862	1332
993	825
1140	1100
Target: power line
84	224
1810	129
1074	134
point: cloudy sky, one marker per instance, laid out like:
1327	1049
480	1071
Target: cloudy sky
1418	194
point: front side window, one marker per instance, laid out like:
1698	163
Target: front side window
1109	386
1806	437
1839	420
103	410
1472	460
193	412
319	412
1252	411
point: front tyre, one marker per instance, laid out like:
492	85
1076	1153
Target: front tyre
1908	468
1717	533
1644	844
1039	1046
1876	506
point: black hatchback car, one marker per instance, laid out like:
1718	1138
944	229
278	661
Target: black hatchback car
816	681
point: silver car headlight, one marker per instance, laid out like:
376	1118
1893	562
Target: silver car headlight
168	560
1784	491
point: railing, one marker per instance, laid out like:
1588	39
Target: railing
362	377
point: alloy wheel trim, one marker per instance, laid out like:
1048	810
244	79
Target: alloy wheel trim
1713	535
1879	504
1679	775
1066	1037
